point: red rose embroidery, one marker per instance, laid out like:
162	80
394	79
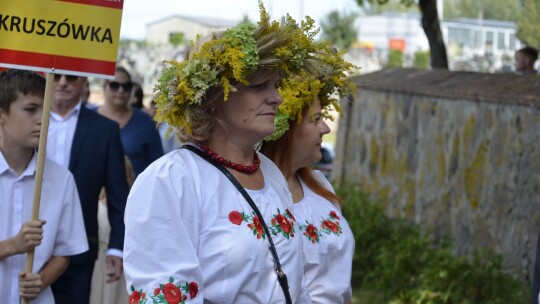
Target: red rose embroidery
172	293
236	217
193	290
290	215
257	226
334	215
311	233
157	291
134	297
284	223
331	226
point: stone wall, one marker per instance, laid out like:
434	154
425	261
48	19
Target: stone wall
456	152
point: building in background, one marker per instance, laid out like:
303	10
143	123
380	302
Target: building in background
183	29
472	44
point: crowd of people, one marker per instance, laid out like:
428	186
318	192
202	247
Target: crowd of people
207	196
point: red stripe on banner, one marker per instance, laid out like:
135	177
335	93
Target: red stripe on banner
104	3
58	62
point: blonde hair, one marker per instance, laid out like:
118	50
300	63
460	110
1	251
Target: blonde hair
130	178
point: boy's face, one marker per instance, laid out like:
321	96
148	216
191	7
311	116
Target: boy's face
521	62
21	126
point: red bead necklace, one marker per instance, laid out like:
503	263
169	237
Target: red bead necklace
229	164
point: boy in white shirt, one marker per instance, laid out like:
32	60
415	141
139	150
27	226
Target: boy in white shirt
21	107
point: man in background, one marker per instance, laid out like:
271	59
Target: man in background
524	60
89	145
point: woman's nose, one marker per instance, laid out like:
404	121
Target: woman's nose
325	129
275	98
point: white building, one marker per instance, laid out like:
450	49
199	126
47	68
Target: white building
481	37
477	37
380	30
181	28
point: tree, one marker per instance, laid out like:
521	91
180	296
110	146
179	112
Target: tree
485	9
339	29
528	29
431	26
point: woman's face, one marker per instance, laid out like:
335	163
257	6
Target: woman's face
118	92
307	137
249	112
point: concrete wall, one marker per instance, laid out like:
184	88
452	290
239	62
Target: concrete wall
455	152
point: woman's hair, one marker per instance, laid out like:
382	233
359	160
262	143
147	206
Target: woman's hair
280	151
118	69
138	94
130	178
123	70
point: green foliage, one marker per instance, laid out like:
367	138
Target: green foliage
374	7
528	29
339	29
421	60
176	38
395	59
395	263
486	9
125	43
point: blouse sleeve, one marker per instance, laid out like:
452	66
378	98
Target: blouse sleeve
160	250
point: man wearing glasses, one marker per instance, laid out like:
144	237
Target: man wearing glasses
89	145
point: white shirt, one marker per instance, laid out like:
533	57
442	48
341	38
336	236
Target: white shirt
60	137
63	234
328	246
187	224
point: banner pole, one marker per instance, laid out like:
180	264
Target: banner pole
40	163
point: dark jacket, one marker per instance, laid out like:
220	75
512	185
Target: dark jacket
96	161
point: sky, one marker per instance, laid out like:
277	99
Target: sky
137	13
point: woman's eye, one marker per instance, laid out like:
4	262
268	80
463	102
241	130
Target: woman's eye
258	86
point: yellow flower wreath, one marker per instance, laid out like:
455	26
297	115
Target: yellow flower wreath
228	58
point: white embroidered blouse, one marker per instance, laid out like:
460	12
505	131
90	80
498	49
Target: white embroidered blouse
192	238
328	246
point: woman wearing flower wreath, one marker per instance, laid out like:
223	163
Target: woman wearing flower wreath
191	235
295	146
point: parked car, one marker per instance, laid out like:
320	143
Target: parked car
327	161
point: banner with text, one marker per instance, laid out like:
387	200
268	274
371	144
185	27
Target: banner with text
77	37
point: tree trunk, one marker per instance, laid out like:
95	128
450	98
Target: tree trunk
432	28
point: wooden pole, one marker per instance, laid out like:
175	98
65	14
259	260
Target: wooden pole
40	163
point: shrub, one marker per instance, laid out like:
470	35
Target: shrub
395	59
395	261
421	60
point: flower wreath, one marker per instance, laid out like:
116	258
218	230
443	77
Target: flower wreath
228	58
328	85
